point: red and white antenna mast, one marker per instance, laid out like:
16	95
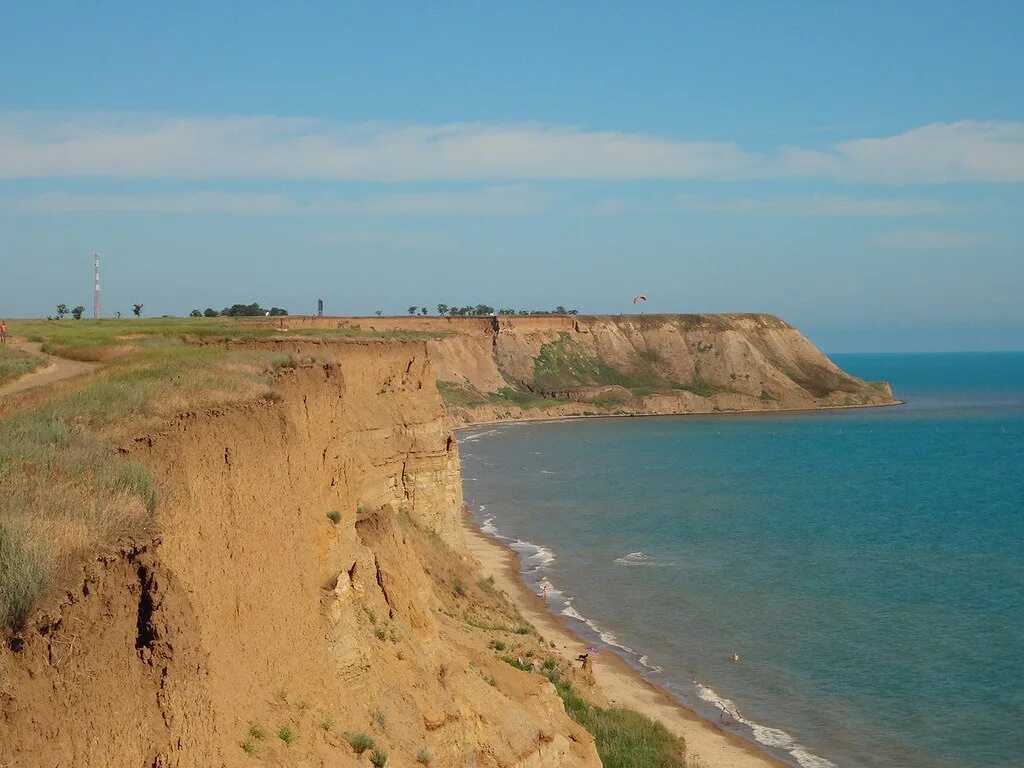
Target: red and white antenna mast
96	289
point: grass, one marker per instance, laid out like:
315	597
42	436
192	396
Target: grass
24	574
766	396
359	742
624	738
15	363
525	666
286	734
96	339
379	758
256	732
381	635
334	516
64	487
699	388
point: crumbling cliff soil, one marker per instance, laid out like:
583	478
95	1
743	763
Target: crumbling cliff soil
306	586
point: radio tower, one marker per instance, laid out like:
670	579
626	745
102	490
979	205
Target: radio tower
96	290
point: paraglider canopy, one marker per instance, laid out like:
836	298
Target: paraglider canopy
637	299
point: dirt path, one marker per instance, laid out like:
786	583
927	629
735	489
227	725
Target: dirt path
53	369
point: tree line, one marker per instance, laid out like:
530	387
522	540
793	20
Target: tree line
483	310
240	310
77	312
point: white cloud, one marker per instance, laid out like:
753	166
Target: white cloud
497	201
58	145
37	146
966	151
822	205
931	239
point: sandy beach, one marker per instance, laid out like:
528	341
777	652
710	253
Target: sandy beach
706	745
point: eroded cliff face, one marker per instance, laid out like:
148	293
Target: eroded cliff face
514	367
305	580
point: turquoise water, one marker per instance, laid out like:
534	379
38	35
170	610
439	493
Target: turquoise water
868	566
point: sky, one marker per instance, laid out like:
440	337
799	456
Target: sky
855	168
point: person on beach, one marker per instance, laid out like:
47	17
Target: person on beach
544	591
3	331
735	658
583	659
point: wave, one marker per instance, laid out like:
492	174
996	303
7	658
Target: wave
763	734
535	558
638	558
654	668
607	637
472	437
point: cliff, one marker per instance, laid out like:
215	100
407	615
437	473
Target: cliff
303	581
515	367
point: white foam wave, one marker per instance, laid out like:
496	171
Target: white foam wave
638	558
474	436
547	472
770	737
645	661
607	637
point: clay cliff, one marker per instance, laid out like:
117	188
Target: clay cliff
303	582
514	367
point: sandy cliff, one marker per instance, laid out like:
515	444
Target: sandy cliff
305	579
515	367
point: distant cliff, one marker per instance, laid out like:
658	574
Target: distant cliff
550	366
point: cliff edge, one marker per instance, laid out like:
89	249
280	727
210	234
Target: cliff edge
510	367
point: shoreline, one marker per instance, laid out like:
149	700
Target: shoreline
674	414
706	744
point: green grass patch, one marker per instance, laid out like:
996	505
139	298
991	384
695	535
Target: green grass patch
624	738
378	758
286	734
525	666
14	363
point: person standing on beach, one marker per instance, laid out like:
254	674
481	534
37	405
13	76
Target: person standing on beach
3	331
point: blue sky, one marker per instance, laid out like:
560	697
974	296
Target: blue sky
857	169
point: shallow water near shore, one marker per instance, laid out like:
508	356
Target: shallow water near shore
867	565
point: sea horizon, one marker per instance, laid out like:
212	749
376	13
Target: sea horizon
821	657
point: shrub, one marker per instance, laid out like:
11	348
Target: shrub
334	516
248	747
487	585
548	665
381	634
517	663
496	645
379	758
23	575
423	757
459	588
256	732
767	396
286	734
359	742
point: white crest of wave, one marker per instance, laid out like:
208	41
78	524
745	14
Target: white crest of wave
770	737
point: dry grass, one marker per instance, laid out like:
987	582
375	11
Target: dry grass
65	490
15	363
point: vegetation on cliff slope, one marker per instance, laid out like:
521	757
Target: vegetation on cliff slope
624	738
64	489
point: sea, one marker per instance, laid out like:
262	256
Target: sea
866	565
